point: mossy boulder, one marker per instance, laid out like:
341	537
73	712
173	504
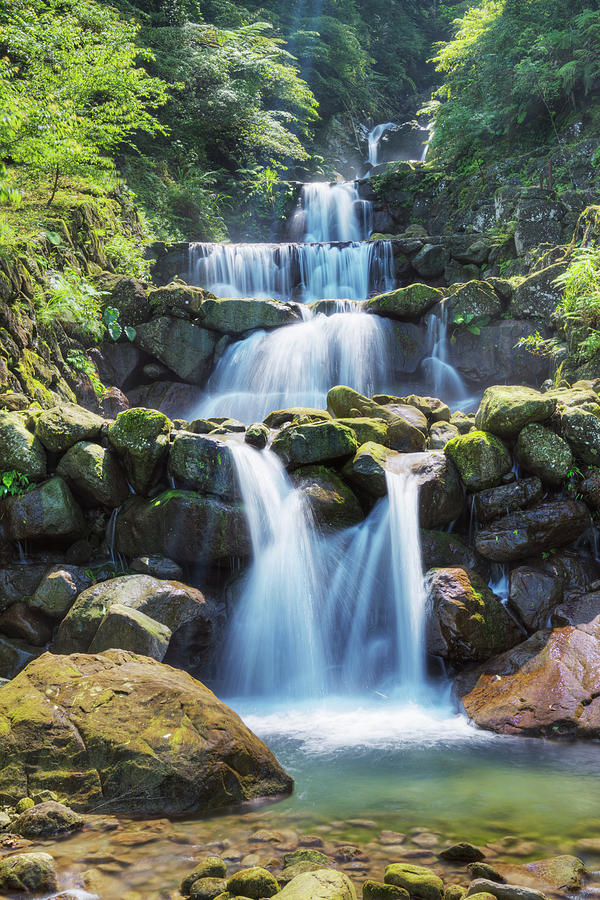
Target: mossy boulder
378	890
431	260
179	299
366	470
506	409
141	438
48	513
467	622
47	820
210	867
306	854
440	434
208	888
481	458
463	422
529	532
94	474
61	427
314	442
28	873
406	426
20	450
581	430
56	592
544	453
203	463
367	429
95	743
238	315
420	882
473	300
295	415
463	851
433	409
407	303
130	629
257	435
324	884
333	504
186	349
255	883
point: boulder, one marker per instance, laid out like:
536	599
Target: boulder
185	526
440	493
48	513
19	581
238	315
173	398
463	422
141	438
473	300
581	430
440	549
332	503
482	886
537	296
294	415
186	349
314	442
179	299
462	852
499	501
94	474
367	429
367	470
407	303
20	450
210	867
257	435
97	744
58	589
420	882
440	434
158	566
544	453
481	458
28	873
554	874
170	603
255	883
47	820
324	884
546	686
433	409
406	426
63	426
377	890
467	622
15	654
430	260
531	531
130	297
582	609
533	594
209	889
493	355
27	624
204	463
125	628
505	410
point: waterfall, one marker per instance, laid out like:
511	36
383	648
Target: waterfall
335	212
326	614
297	365
374	138
445	380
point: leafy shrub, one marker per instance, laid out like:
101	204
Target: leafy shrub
73	299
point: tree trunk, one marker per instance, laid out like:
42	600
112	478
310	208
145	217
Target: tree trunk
54	187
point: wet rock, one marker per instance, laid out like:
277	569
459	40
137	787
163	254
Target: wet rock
546	686
239	315
333	504
533	594
113	402
141	439
440	435
19	581
211	867
186	349
20	450
455	892
95	743
558	873
581	610
24	873
257	435
536	297
205	464
307	854
185	526
170	603
531	531
58	589
295	415
377	890
207	888
63	426
367	470
27	624
581	430
473	300
462	852
172	398
255	883
507	498
94	474
462	422
420	882
440	492
590	488
405	430
503	891
481	458
48	513
406	303
326	884
492	356
505	410
367	429
544	453
467	622
433	409
314	442
158	566
431	260
47	820
15	655
129	629
484	870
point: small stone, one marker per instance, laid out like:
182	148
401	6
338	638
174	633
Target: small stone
503	891
463	851
306	855
23	804
257	435
391	837
455	892
207	888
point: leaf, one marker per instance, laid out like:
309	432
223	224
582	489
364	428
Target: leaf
111	315
54	238
131	332
115	330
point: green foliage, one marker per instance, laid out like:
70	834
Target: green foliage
472	322
72	299
110	318
13	484
581	286
80	362
70	79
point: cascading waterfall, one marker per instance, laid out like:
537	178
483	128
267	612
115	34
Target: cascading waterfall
445	380
374	138
321	614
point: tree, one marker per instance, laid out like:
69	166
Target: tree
70	75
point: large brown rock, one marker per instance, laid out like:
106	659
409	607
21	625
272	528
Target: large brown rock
546	686
127	734
531	531
499	501
467	621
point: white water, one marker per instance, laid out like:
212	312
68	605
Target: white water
443	377
298	364
408	142
374	138
317	615
334	212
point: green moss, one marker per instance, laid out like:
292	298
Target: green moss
480	457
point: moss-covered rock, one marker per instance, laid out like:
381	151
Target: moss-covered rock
433	409
255	883
326	884
94	474
187	349
440	434
377	890
295	415
366	471
125	628
406	303
314	442
48	513
28	873
506	409
306	854
420	882
210	867
257	435
238	315
61	427
20	450
367	429
581	430
333	504
95	743
141	438
495	503
207	888
481	458
203	463
56	592
406	425
46	820
473	300
544	453
463	422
